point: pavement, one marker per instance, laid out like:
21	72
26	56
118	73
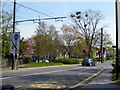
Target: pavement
102	81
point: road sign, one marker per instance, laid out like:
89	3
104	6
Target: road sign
16	36
14	42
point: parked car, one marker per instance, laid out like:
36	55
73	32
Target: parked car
39	61
46	61
53	59
88	62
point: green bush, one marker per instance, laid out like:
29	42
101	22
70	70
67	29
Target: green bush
104	58
27	59
6	63
67	61
20	61
114	77
114	65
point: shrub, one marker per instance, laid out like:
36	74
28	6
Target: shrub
67	61
27	59
114	65
104	58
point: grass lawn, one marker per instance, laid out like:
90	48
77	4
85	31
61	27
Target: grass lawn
41	64
114	78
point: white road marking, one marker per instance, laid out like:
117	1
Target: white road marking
39	73
48	72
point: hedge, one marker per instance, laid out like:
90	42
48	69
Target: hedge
27	59
67	61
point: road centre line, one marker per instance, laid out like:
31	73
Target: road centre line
39	73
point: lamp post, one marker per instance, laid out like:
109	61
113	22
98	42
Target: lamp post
116	5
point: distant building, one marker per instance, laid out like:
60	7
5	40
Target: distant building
30	50
98	53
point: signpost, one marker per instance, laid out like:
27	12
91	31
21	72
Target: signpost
14	42
14	46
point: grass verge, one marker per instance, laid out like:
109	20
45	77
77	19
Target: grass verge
114	78
41	64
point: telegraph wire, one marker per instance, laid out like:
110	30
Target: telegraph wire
31	9
4	4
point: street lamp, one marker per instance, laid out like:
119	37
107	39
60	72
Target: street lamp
116	9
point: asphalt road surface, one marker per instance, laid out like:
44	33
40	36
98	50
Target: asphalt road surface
57	77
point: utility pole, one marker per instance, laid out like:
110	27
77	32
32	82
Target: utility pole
101	45
14	19
117	71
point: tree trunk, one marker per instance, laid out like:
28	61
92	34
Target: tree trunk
69	54
89	53
38	58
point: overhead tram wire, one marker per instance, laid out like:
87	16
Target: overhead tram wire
32	9
41	19
37	12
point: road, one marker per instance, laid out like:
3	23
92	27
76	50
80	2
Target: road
56	77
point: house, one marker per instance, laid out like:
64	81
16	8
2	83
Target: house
98	53
30	50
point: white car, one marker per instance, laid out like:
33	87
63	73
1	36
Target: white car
45	61
37	61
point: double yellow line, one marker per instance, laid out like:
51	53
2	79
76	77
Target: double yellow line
86	80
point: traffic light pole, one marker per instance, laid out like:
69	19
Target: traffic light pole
14	15
101	45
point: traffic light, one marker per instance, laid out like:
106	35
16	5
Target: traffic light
99	53
83	51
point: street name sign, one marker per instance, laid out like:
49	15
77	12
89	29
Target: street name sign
14	42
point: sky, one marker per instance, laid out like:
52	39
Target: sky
52	8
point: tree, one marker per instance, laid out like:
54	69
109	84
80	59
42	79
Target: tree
68	38
0	47
88	24
80	45
23	46
106	40
6	27
55	43
46	41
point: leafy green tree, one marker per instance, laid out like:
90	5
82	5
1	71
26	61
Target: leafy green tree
46	42
6	27
78	48
107	43
0	46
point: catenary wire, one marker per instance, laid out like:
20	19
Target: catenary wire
31	9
